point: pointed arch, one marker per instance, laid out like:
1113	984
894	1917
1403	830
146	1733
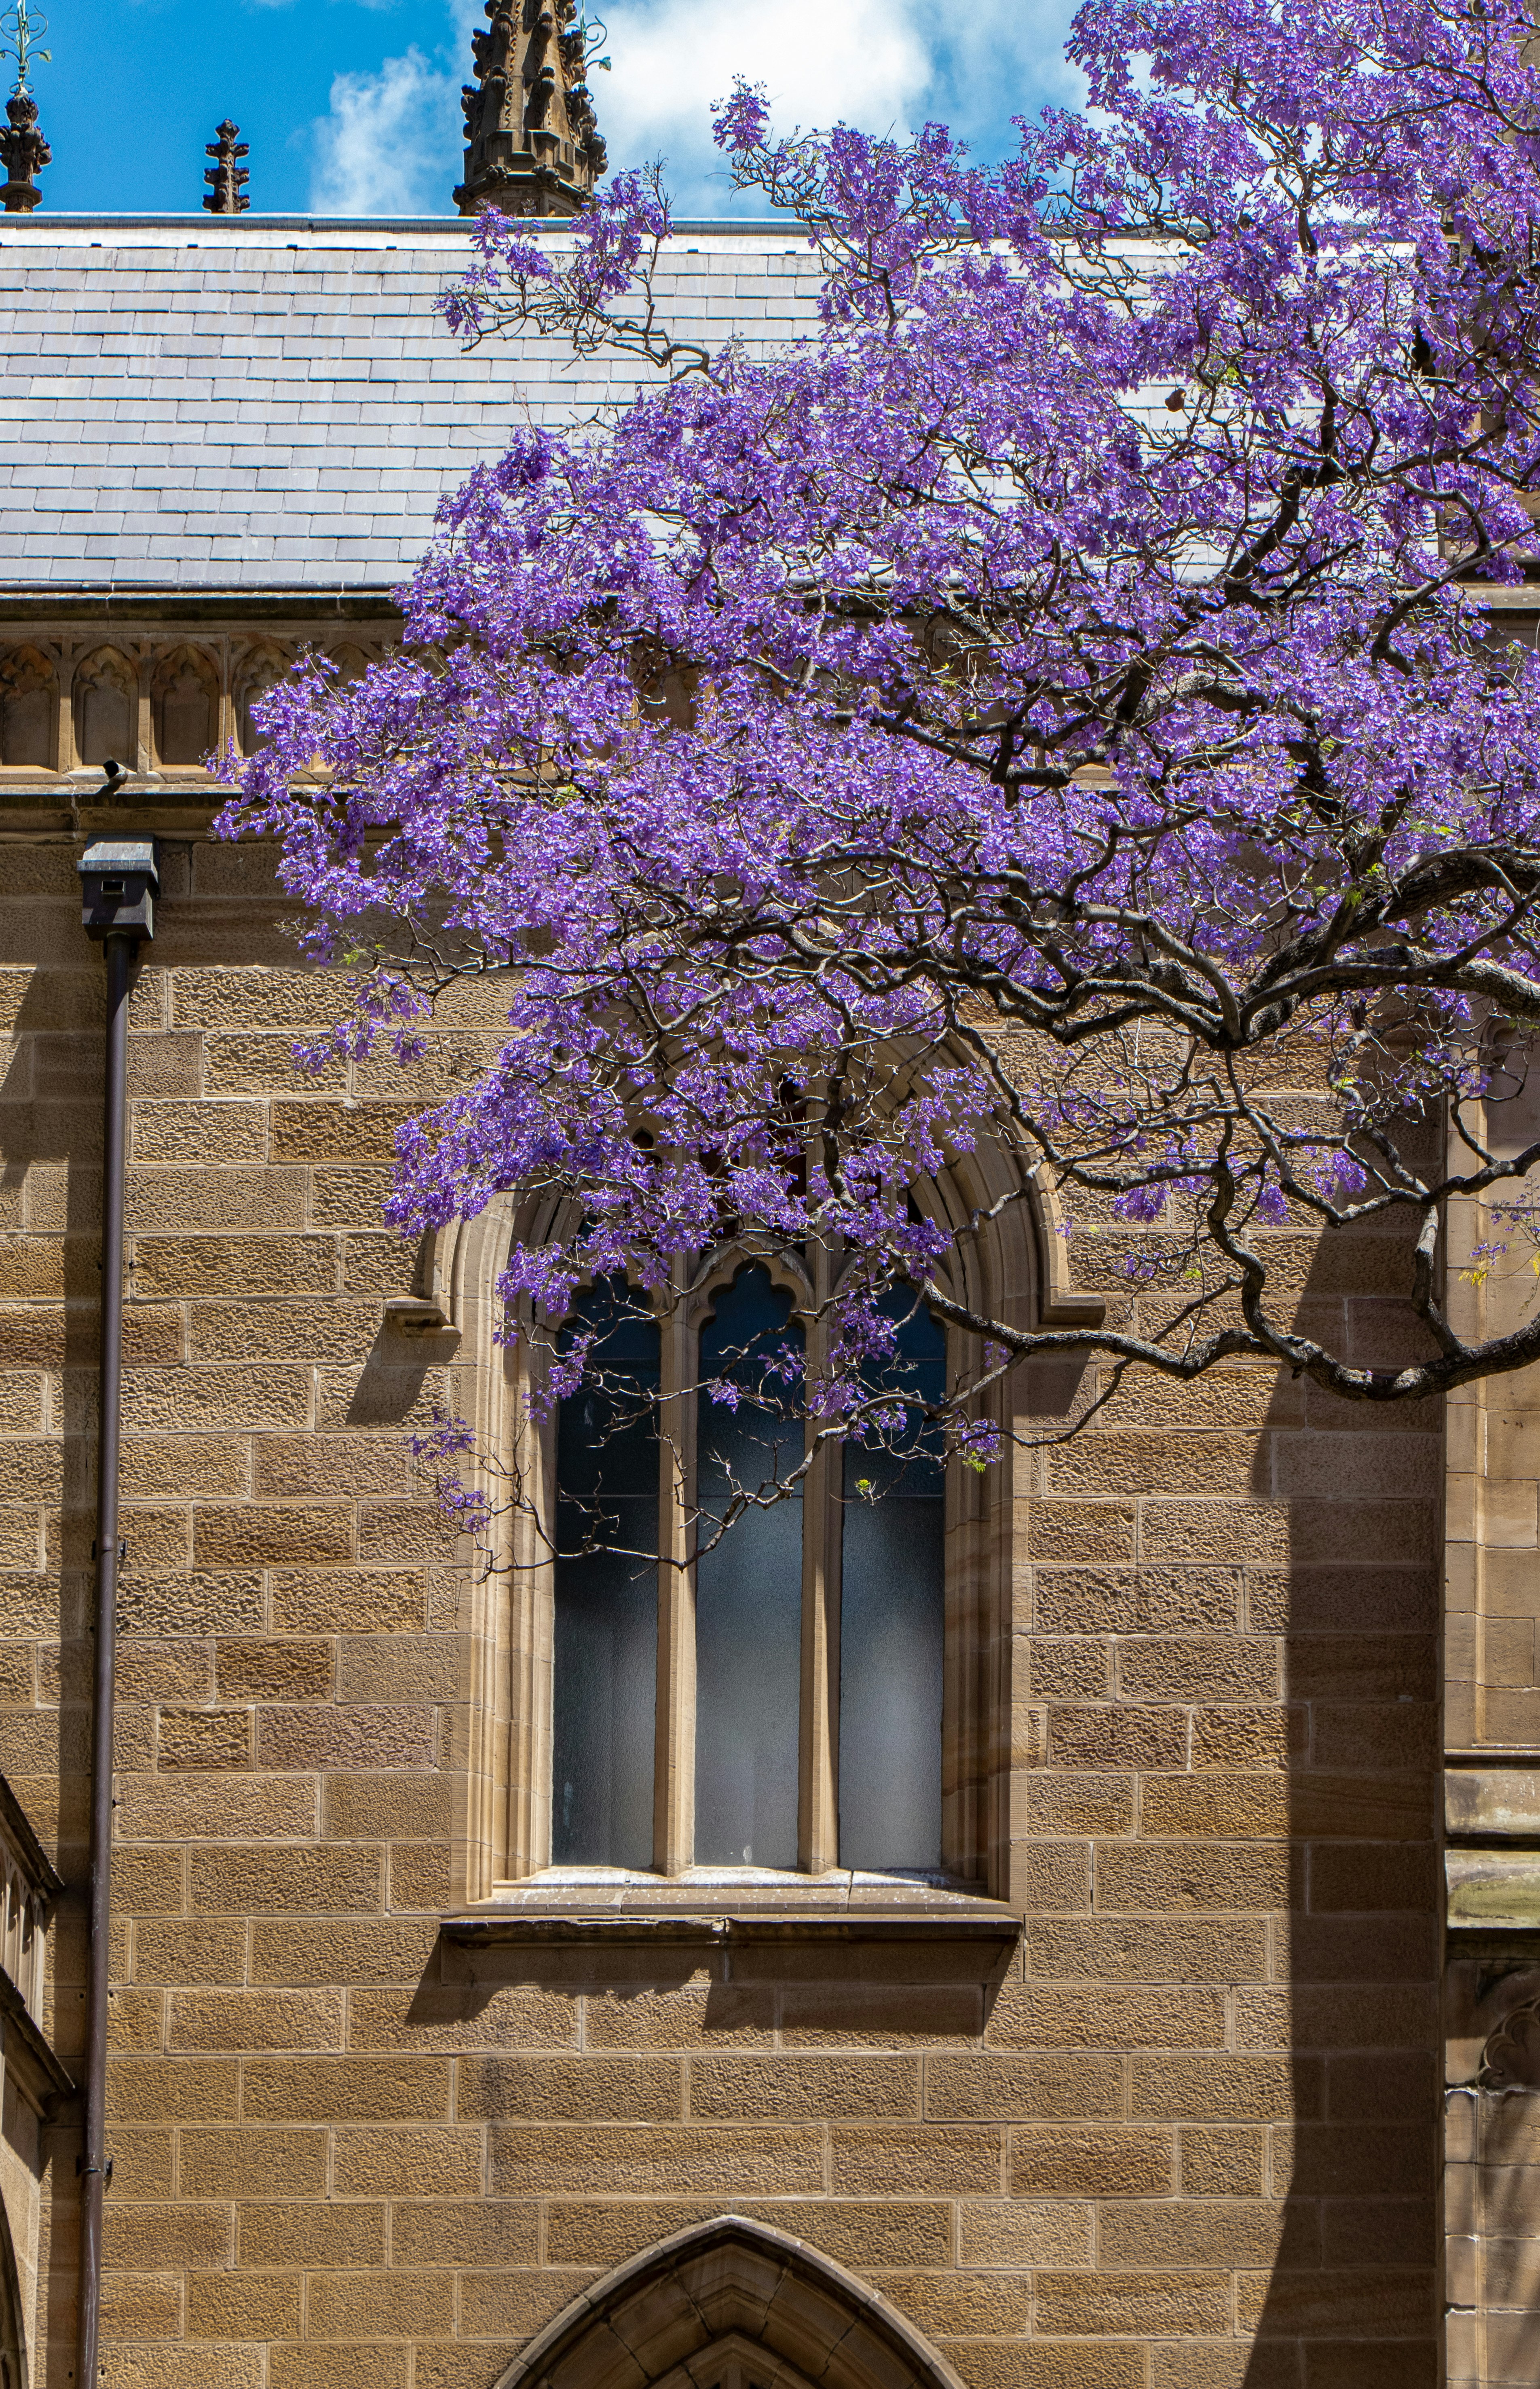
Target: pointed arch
730	2304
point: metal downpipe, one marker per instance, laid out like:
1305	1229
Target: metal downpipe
120	951
121	882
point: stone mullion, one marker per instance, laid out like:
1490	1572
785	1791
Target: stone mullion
817	1764
674	1743
145	759
530	1634
68	657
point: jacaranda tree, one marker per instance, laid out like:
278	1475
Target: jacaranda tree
1060	702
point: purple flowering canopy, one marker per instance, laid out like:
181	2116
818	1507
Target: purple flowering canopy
1066	704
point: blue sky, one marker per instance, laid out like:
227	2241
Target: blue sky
351	106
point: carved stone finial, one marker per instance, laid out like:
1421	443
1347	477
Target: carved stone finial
530	145
24	153
226	179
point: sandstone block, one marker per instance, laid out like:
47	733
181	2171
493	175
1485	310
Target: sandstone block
980	2304
478	2231
176	1951
279	1667
144	2237
318	2366
1166	1878
1111	2016
155	1808
171	1401
1163	2304
1219	2163
737	2087
143	2163
213	1738
286	1882
140	2305
942	2159
513	2305
344	1601
993	2087
390	1667
178	1267
208	1131
340	2090
244	2306
1107	1737
405	1808
879	2015
328	2235
256	2020
161	1197
325	1949
368	2305
172	2090
1066	1531
440	2161
565	2089
1110	1599
526	2161
1209	2232
1024	2231
166	2366
190	1605
1180	1950
247	2164
1110	2161
269	1534
1219	1806
452	2017
360	1735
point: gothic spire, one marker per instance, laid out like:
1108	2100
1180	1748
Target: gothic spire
226	179
532	148
23	151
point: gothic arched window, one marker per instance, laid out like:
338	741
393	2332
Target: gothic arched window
798	1719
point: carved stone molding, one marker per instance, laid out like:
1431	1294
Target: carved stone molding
107	707
158	704
1510	2061
184	705
29	709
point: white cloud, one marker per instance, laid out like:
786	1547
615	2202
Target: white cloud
389	145
864	61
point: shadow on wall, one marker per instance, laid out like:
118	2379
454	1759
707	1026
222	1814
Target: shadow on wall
1352	2300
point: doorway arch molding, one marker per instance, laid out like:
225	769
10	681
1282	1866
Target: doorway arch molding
730	2301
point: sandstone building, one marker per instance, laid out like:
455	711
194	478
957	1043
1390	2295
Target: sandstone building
1128	2077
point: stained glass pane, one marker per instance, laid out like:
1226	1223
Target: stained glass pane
748	1592
606	1654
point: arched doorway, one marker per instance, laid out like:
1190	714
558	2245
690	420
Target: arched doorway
730	2304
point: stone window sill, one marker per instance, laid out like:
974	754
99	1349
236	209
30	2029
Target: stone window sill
718	1907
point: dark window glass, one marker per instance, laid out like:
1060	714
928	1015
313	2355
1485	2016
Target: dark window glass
606	1654
748	1590
892	1618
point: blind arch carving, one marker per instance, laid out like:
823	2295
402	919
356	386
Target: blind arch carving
730	2304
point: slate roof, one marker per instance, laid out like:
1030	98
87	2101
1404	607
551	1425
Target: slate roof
272	403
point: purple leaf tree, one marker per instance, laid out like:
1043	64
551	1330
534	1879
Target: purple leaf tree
1078	703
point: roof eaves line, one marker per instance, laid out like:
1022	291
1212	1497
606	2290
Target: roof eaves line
240	228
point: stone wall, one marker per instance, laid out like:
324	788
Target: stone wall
1181	2138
